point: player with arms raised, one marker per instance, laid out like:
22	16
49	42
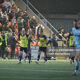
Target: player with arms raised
42	47
23	44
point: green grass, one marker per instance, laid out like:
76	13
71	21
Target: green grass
54	70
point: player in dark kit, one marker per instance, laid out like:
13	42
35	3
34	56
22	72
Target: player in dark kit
42	47
30	41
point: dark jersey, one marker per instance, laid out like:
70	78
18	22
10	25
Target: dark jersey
29	42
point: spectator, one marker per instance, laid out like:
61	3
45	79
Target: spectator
20	23
7	3
4	44
12	43
61	34
9	10
1	16
0	27
26	18
54	44
33	24
1	1
71	39
13	22
71	43
29	31
5	17
11	15
14	8
54	41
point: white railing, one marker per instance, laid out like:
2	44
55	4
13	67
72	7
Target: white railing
52	28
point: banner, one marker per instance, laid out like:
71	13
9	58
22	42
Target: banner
63	51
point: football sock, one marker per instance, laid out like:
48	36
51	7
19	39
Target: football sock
29	58
20	57
73	59
45	58
38	57
77	66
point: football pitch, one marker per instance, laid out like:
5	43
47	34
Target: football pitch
53	70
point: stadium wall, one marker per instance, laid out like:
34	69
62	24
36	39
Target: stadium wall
62	20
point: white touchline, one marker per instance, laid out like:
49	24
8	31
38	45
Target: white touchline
36	70
60	78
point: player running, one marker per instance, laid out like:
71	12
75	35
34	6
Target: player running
42	47
76	33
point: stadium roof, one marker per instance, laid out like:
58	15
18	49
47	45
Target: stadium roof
57	6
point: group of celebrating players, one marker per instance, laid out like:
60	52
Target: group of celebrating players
25	46
26	39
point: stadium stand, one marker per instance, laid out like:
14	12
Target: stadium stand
13	19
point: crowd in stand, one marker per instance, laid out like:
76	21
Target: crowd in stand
12	20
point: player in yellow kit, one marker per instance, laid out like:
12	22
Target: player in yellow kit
23	43
42	47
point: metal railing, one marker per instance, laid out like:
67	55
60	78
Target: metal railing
52	28
38	14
